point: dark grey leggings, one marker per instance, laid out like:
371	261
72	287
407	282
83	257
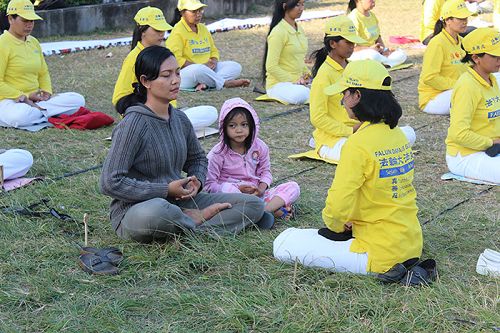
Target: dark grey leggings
156	219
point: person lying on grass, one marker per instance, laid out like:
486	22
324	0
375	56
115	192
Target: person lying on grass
150	30
25	88
240	162
195	50
372	194
151	148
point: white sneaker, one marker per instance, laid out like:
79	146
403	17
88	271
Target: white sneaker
486	267
492	255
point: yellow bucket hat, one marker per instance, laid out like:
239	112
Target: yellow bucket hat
189	5
455	8
482	40
23	8
369	74
342	26
153	17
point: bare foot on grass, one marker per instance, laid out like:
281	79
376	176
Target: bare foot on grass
236	83
200	216
200	87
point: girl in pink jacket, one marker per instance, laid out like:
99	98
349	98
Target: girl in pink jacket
240	162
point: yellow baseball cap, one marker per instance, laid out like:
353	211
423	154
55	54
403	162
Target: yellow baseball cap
482	40
455	8
342	26
369	74
153	17
23	8
189	5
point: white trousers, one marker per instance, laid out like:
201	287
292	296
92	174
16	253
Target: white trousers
16	163
475	166
395	58
194	74
13	114
310	249
201	116
333	153
440	104
289	92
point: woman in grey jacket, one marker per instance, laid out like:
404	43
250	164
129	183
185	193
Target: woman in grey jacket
152	146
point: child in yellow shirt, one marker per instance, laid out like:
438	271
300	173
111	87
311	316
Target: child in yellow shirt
287	76
196	53
473	141
442	65
150	30
367	27
372	194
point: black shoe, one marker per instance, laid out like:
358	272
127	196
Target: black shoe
422	274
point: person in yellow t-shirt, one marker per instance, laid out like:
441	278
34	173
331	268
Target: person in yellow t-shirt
372	194
473	141
150	30
431	12
195	50
442	65
26	97
367	27
286	74
327	114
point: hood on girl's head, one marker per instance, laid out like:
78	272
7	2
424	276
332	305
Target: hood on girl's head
233	103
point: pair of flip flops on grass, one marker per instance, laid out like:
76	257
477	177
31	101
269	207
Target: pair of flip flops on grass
411	273
98	261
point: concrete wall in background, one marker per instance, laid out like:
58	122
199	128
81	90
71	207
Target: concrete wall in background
85	19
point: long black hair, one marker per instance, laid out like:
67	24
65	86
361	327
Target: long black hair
351	6
177	17
148	64
438	27
251	127
280	7
320	55
377	106
137	34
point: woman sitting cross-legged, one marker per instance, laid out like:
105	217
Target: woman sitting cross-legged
150	30
25	88
195	50
152	146
372	194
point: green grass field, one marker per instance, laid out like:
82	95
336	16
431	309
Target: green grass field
233	284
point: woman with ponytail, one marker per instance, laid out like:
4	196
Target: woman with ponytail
367	27
150	30
442	65
286	73
372	197
328	116
152	147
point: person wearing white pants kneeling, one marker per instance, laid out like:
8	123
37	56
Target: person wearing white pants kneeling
195	50
287	76
25	88
372	195
474	130
15	162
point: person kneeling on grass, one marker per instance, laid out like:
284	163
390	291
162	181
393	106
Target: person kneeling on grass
240	162
372	194
151	147
195	50
25	89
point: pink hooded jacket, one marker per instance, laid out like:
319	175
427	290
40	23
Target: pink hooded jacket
228	169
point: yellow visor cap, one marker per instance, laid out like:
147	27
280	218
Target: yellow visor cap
342	26
482	40
153	17
455	8
189	5
369	74
23	8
